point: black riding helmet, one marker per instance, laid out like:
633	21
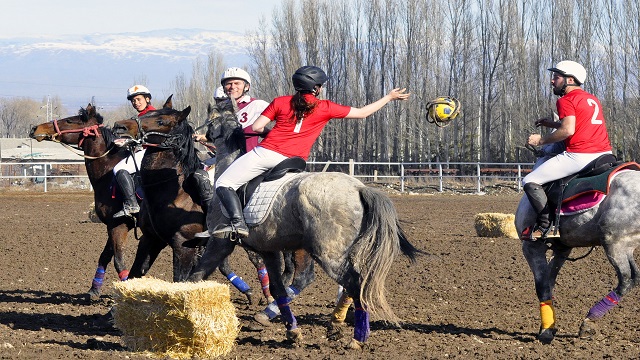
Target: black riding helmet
306	78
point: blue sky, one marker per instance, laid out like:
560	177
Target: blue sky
27	18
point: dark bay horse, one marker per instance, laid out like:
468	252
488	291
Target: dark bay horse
614	224
87	132
351	230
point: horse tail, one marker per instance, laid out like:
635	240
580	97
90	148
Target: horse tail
379	242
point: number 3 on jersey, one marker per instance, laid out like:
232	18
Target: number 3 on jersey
243	117
596	112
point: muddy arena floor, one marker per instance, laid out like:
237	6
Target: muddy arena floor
471	297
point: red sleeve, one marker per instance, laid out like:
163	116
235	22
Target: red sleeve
565	108
339	111
270	110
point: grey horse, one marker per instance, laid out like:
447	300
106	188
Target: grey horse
613	224
351	230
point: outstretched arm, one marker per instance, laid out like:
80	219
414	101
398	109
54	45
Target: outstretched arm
363	112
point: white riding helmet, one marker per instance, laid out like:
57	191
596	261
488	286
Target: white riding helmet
219	94
137	90
235	73
571	68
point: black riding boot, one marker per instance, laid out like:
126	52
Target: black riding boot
205	190
231	203
128	191
538	199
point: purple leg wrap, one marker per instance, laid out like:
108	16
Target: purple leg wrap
98	278
238	282
361	329
287	316
603	306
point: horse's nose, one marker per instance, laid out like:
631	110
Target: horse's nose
33	131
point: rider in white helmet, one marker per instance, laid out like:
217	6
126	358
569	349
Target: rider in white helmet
583	130
236	84
140	98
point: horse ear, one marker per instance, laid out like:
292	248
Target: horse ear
186	112
91	110
209	108
168	104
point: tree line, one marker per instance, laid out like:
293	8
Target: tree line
492	55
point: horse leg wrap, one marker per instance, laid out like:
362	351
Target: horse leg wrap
264	281
603	306
361	330
98	278
547	315
238	282
287	316
272	310
340	312
123	275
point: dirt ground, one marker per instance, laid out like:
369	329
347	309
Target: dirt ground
471	297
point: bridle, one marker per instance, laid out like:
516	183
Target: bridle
87	131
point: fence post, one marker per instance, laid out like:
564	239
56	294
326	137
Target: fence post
351	167
401	177
440	177
519	179
478	169
44	166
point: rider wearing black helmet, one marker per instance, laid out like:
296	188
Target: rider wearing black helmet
299	120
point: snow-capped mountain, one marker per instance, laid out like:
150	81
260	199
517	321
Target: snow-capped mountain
103	66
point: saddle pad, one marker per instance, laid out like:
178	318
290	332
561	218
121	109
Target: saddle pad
587	199
581	203
260	203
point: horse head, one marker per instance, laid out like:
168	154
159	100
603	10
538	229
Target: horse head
224	129
70	130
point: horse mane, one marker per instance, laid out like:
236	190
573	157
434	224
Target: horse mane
108	135
182	144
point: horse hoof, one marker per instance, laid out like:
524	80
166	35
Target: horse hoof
335	330
546	335
588	329
294	336
262	319
355	345
94	294
249	295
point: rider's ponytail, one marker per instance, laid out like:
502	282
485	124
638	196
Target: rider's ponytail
301	107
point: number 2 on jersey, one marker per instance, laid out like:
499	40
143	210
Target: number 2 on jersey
596	112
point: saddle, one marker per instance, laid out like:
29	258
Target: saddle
586	187
294	164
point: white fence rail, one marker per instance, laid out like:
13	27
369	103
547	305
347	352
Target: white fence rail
472	176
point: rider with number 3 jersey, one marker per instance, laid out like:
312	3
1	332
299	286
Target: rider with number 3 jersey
583	130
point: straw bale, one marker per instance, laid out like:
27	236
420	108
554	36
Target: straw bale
179	320
496	225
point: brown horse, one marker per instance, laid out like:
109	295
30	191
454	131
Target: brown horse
87	132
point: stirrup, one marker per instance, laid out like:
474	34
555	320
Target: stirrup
537	232
230	231
202	235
